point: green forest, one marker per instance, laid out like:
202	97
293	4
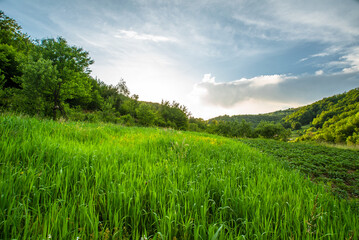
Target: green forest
49	78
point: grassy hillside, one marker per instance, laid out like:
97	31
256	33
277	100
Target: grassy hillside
255	119
334	119
95	181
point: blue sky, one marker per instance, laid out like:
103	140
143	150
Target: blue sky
215	57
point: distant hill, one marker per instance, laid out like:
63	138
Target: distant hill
333	119
255	119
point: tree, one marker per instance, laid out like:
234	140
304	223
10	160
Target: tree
122	88
68	75
272	130
9	65
9	73
10	33
244	129
296	125
38	83
145	115
174	115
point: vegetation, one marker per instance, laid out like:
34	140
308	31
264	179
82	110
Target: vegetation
334	119
50	78
75	180
92	175
337	168
255	119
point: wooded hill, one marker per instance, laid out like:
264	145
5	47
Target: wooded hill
334	119
255	119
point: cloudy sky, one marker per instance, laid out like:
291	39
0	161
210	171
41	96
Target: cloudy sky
215	57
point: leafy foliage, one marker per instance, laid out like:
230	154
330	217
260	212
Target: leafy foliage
272	130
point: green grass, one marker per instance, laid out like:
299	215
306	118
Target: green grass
102	181
335	167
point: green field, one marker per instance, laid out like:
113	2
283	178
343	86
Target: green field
100	181
335	167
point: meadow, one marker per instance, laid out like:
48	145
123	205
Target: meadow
74	180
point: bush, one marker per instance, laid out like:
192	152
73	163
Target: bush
296	125
272	130
127	120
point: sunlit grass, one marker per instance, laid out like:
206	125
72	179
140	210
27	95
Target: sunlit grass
101	181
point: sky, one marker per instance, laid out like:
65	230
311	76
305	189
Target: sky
215	57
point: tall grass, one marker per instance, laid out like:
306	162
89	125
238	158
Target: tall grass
95	181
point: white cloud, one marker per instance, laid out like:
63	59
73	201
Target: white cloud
267	93
322	54
347	61
352	59
326	21
129	34
262	81
227	94
319	72
207	78
259	81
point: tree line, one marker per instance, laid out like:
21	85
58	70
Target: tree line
49	78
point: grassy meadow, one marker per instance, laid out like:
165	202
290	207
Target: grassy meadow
68	180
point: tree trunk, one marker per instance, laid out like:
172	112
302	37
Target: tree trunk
54	111
62	110
54	114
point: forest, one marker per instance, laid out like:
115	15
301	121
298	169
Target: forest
49	78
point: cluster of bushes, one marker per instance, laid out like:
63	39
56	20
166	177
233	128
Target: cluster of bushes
243	129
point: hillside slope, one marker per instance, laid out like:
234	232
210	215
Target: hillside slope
333	119
101	181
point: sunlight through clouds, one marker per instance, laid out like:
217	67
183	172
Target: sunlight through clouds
129	34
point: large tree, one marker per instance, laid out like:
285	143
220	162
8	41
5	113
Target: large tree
58	72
